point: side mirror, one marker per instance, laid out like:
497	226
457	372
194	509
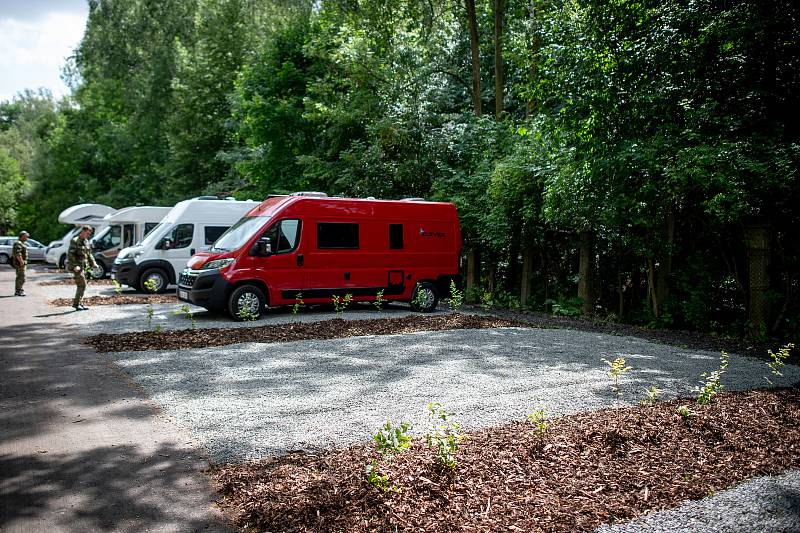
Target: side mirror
264	246
167	244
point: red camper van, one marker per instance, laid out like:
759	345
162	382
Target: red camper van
318	246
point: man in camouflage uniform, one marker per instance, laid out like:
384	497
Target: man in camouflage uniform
19	260
79	260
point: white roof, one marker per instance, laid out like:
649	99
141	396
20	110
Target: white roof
210	211
89	214
143	213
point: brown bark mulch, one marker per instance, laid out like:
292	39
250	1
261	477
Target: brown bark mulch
336	328
119	300
71	281
588	469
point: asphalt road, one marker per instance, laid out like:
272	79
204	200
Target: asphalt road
82	448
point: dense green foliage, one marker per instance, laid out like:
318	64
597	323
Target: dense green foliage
652	136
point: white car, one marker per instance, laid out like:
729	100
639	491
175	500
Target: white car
35	249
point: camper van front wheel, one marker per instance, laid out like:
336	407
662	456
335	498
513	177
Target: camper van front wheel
155	278
99	272
246	303
425	297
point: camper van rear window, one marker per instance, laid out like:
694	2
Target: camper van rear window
337	235
213	233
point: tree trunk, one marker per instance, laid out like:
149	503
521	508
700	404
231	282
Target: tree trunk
535	44
498	58
473	271
527	275
665	264
476	65
757	238
651	287
586	271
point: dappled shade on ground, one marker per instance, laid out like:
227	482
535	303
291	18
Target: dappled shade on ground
326	329
71	281
587	469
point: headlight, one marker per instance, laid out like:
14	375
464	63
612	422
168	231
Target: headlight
218	264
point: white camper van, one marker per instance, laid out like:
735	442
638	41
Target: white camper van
192	225
126	227
78	215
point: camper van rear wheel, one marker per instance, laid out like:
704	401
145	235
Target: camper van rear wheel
99	272
246	303
425	297
62	262
156	278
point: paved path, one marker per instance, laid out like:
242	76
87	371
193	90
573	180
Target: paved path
81	446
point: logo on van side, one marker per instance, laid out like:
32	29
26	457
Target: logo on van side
424	233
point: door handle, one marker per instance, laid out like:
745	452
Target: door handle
300	260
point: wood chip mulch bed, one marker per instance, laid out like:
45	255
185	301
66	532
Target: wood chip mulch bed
588	469
71	281
119	300
326	329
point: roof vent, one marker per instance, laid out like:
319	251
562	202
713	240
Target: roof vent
312	194
413	199
207	197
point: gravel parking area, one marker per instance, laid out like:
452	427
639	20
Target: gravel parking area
762	504
253	400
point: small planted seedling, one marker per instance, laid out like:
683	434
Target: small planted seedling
538	420
149	316
341	303
651	395
117	287
380	301
456	299
378	480
616	369
187	312
487	300
778	361
444	435
151	285
393	439
246	315
298	303
711	385
685	412
419	301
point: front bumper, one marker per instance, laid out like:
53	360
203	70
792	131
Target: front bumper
126	272
205	288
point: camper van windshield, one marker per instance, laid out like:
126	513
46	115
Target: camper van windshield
237	235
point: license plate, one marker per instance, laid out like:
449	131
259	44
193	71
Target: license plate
183	294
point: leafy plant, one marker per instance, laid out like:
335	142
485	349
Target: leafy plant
186	311
151	285
685	412
711	385
539	421
117	287
149	316
247	315
456	300
419	298
393	439
778	361
444	435
487	300
340	304
376	479
616	369
298	302
379	300
565	307
651	395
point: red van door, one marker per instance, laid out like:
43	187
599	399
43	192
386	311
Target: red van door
282	270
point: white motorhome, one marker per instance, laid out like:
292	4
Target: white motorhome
126	227
91	215
192	225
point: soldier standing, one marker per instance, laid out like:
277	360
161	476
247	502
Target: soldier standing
79	259
19	260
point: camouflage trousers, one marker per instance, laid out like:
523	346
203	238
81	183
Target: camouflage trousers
20	281
80	287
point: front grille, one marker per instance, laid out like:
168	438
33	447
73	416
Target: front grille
187	279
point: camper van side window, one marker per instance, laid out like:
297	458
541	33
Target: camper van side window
284	236
182	235
337	235
212	233
148	226
395	236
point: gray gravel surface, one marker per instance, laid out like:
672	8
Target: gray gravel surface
762	504
252	400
